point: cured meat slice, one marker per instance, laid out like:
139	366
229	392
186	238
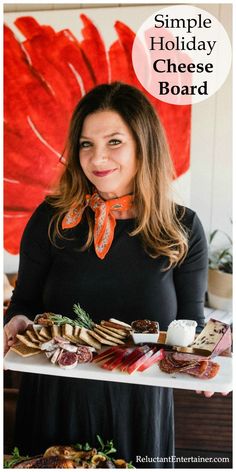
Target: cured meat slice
202	369
68	347
136	364
133	356
68	360
211	371
198	370
56	355
170	365
49	345
158	356
106	353
182	356
84	354
115	361
166	366
49	354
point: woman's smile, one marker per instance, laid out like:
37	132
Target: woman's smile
103	173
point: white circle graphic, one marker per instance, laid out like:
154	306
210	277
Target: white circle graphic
181	54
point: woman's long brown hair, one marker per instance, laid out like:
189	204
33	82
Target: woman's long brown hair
157	221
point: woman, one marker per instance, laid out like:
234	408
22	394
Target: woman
112	239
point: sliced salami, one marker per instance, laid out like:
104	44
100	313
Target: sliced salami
84	354
170	365
198	370
68	360
182	356
211	371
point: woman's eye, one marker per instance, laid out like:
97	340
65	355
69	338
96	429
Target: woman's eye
114	142
84	144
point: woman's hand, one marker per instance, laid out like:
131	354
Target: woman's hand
210	394
17	324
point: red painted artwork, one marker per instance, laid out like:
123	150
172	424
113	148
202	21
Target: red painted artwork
44	77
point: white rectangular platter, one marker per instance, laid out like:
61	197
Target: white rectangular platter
39	364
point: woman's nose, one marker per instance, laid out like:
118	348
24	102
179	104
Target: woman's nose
100	154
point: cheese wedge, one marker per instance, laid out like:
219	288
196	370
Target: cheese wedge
215	337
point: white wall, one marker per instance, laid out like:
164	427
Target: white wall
211	148
207	187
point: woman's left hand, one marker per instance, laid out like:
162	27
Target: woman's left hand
210	394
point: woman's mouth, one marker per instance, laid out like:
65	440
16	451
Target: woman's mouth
103	173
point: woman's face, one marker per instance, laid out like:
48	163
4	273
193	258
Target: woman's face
108	154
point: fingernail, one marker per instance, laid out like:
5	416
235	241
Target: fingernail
208	394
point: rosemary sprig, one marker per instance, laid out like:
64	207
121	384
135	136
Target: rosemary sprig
83	319
60	320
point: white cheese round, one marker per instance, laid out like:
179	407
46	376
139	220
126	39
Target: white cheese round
181	333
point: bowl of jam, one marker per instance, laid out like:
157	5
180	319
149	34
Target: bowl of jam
145	331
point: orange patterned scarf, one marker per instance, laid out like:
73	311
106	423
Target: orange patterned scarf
105	222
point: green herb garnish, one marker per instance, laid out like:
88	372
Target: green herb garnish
15	458
130	465
82	318
61	320
106	448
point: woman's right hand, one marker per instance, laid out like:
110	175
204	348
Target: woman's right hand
17	324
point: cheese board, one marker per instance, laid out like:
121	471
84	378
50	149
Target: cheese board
153	376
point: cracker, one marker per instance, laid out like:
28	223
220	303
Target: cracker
67	330
85	336
32	336
108	336
27	341
120	331
101	339
72	339
56	330
110	332
36	331
45	331
23	350
77	330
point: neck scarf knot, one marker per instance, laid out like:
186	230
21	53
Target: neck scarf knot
105	222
